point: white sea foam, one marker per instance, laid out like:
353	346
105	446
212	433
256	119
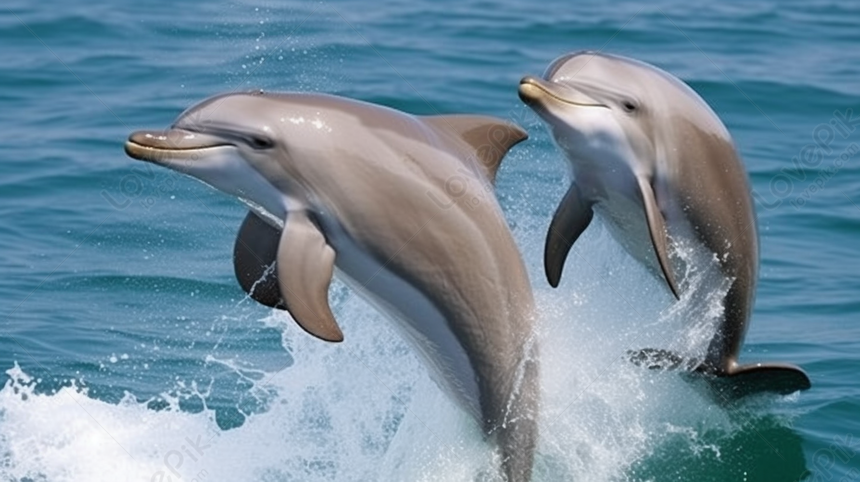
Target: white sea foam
366	409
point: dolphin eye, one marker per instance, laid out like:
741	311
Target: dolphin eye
629	105
260	142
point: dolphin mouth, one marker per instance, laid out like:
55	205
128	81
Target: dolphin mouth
533	90
161	146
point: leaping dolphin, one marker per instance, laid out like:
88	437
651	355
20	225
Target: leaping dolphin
403	206
651	157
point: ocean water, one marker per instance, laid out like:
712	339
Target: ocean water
130	352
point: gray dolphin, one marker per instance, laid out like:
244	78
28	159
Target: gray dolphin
651	157
403	206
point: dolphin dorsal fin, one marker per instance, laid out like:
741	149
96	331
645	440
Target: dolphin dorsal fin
489	137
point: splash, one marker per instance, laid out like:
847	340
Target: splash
367	410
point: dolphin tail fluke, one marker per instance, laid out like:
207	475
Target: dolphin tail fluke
664	360
745	380
729	385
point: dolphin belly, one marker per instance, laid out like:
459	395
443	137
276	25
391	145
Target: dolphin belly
416	317
618	202
622	208
625	221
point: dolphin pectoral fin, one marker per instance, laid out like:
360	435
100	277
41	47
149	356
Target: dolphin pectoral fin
489	137
571	218
305	267
746	380
254	255
657	229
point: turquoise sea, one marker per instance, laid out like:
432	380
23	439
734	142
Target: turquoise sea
131	354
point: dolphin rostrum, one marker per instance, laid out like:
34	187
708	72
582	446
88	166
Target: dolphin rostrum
651	157
403	207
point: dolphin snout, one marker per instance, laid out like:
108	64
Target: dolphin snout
530	89
535	90
151	145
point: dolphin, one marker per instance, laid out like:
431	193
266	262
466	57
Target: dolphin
403	207
652	158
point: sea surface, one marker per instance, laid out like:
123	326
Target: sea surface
131	354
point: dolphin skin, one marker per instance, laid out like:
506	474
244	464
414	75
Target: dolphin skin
652	158
403	207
